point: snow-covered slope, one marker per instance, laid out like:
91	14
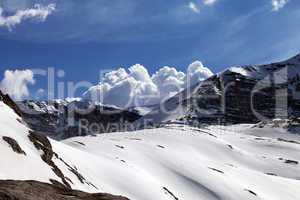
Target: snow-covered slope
179	162
173	162
15	165
28	156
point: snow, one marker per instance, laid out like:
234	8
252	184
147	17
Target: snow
239	70
175	161
182	158
17	166
143	110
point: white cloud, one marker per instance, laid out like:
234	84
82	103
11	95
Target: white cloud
193	7
278	4
196	7
136	87
38	12
197	72
209	2
169	81
15	83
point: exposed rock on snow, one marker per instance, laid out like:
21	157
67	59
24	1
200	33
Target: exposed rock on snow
292	124
8	101
42	143
14	145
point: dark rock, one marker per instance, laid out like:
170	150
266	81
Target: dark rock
33	190
291	162
244	94
8	101
68	120
14	145
41	142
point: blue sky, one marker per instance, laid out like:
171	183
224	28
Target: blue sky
83	37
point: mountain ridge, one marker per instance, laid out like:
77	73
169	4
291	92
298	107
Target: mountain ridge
229	96
225	98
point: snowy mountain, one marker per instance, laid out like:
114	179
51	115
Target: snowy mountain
245	94
170	163
175	159
61	119
27	155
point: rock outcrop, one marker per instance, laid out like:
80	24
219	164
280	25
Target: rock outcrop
60	119
8	101
33	190
244	94
14	145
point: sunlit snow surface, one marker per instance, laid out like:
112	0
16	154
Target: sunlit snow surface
174	162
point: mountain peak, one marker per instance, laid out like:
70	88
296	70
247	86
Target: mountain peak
295	58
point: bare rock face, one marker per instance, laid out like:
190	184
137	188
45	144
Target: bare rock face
41	142
8	101
33	190
61	119
241	94
14	145
250	94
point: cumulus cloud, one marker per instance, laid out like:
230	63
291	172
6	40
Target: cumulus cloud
38	12
278	4
169	81
209	2
15	83
197	72
136	87
193	7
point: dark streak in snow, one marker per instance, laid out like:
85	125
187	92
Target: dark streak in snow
80	143
170	193
251	192
216	170
119	146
